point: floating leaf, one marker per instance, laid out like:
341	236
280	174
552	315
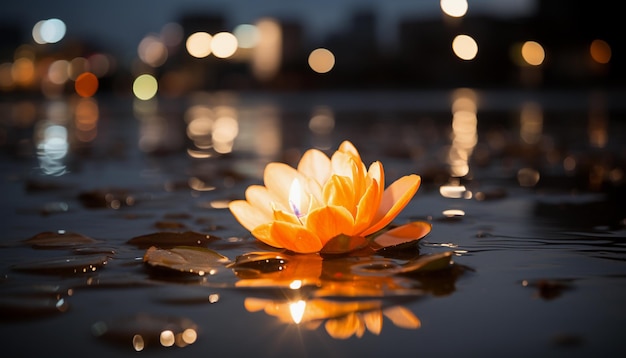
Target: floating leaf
49	239
400	235
195	260
342	244
172	239
64	265
428	263
260	262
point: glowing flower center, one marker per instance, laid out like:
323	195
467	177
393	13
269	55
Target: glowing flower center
294	198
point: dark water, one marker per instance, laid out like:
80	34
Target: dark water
526	190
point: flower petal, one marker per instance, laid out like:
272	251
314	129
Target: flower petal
330	221
367	208
264	233
338	191
394	199
259	197
347	147
248	216
295	237
315	164
278	178
404	234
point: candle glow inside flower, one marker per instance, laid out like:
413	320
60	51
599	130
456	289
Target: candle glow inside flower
302	209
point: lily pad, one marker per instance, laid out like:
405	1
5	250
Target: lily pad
59	239
64	265
405	234
426	263
173	239
342	244
194	260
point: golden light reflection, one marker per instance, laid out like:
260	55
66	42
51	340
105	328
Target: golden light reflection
266	57
86	119
464	132
167	338
296	309
321	60
598	122
199	44
454	8
600	51
528	177
533	53
531	122
225	129
138	343
465	47
224	45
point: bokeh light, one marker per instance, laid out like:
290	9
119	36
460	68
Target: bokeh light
454	8
247	35
321	60
533	53
152	51
86	84
199	44
49	31
600	51
145	87
465	47
58	72
223	45
266	58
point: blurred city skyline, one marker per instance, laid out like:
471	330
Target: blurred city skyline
120	25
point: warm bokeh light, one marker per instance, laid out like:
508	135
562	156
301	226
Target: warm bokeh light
86	119
49	31
454	8
266	58
23	72
533	53
152	51
224	45
6	78
86	84
464	132
145	87
600	51
247	35
77	66
531	122
465	47
199	44
58	72
321	60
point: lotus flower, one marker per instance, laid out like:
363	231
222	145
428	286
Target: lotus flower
302	209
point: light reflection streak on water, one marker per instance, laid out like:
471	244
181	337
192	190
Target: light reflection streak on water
464	132
52	148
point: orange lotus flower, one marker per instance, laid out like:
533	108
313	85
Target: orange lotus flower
303	209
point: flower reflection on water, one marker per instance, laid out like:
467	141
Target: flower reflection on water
348	295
